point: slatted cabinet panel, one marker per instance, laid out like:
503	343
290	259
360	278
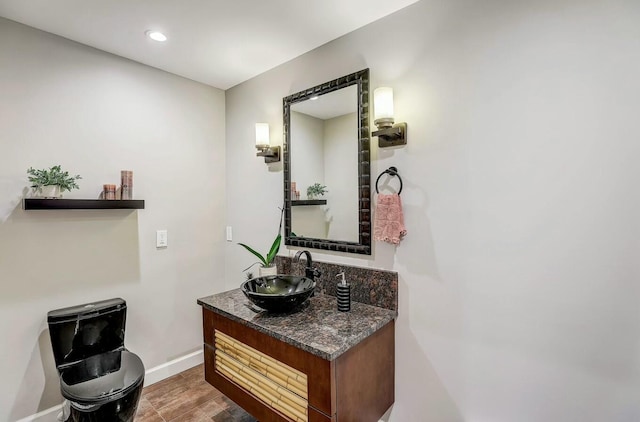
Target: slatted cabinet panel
277	385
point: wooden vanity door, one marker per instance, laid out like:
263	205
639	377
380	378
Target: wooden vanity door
364	378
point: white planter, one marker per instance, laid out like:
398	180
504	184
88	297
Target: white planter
264	271
50	191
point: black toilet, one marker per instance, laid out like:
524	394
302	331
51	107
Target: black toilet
99	377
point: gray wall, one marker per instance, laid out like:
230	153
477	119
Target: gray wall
96	114
519	287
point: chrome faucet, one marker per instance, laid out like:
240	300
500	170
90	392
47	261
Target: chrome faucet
309	271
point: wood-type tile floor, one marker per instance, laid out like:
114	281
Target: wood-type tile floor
187	397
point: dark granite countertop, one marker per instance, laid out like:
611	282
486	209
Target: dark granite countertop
318	327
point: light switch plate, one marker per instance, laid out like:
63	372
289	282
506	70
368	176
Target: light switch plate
161	239
229	234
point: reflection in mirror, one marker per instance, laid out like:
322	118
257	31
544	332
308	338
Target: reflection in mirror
327	143
324	131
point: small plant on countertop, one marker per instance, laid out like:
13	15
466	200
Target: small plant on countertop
316	190
269	258
55	176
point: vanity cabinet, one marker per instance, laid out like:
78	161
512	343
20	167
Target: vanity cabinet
276	380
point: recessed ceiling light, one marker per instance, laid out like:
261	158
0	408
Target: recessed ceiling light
314	98
156	36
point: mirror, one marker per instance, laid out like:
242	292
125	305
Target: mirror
326	142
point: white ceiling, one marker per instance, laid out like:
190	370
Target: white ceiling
216	42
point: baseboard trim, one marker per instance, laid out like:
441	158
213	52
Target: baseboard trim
171	368
151	376
47	415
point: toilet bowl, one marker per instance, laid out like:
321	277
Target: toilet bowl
99	377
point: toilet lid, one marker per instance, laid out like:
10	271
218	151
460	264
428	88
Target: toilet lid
102	378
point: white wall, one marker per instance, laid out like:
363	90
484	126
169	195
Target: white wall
519	277
307	168
96	114
341	177
307	156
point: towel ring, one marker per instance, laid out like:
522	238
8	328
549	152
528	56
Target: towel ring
393	171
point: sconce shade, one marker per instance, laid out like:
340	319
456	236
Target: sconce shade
383	107
263	144
262	135
389	135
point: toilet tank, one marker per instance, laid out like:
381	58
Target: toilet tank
81	331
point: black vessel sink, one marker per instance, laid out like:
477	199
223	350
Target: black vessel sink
278	293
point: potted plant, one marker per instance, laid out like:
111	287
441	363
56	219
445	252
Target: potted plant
267	262
52	182
316	190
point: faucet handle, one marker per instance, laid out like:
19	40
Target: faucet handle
316	272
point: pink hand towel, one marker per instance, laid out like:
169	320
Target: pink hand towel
389	223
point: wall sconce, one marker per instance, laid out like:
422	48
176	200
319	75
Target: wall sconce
388	134
270	154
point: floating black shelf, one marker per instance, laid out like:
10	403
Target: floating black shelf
298	203
82	204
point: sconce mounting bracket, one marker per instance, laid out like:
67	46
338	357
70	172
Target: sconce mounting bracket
393	136
270	154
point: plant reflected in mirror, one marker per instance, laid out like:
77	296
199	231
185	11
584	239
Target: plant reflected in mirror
316	190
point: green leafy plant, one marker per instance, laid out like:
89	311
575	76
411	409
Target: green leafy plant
54	176
316	190
267	260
